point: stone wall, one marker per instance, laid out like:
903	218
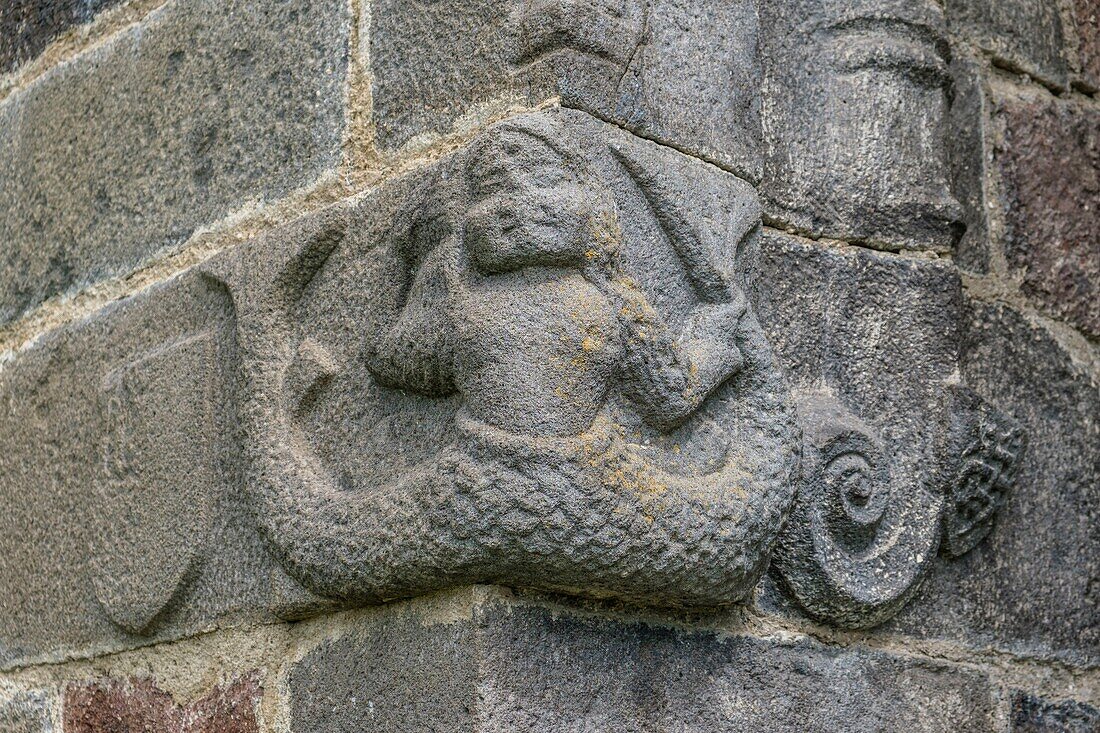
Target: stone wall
552	365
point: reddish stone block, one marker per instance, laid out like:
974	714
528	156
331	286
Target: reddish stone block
1049	161
139	706
1087	15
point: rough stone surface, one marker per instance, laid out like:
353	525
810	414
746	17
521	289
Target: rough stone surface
170	125
856	95
1022	34
564	383
1031	714
683	72
139	706
969	146
122	478
1087	17
1049	163
1018	590
551	670
870	342
27	26
26	712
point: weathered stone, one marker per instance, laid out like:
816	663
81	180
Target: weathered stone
27	26
870	342
492	664
26	711
542	371
1032	714
1031	587
856	98
118	445
1049	164
683	72
969	147
173	123
1087	17
139	706
1025	35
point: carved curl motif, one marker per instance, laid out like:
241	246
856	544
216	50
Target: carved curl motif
609	418
859	542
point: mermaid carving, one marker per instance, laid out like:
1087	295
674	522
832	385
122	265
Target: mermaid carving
599	446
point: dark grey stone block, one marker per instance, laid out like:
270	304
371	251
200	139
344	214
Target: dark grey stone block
856	98
1025	35
500	665
870	342
682	72
1031	588
170	125
28	26
1031	714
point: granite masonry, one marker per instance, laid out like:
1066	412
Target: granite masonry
549	365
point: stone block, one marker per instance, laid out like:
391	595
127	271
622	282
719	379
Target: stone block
1087	17
1018	591
166	127
1023	35
1032	714
120	468
856	99
1048	161
682	72
28	26
492	663
139	706
26	711
970	145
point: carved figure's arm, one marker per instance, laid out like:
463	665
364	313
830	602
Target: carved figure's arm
413	351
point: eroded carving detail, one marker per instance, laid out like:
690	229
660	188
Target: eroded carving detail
159	411
989	446
606	415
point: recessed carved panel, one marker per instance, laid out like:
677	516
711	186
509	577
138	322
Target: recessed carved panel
535	366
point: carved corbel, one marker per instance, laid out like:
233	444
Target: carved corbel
542	372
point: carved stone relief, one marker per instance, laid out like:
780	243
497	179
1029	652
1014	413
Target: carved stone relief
167	431
899	462
542	371
856	98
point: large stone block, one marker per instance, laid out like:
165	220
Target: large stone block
1048	161
27	26
494	664
1022	34
900	460
856	98
1031	588
171	124
683	72
26	711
